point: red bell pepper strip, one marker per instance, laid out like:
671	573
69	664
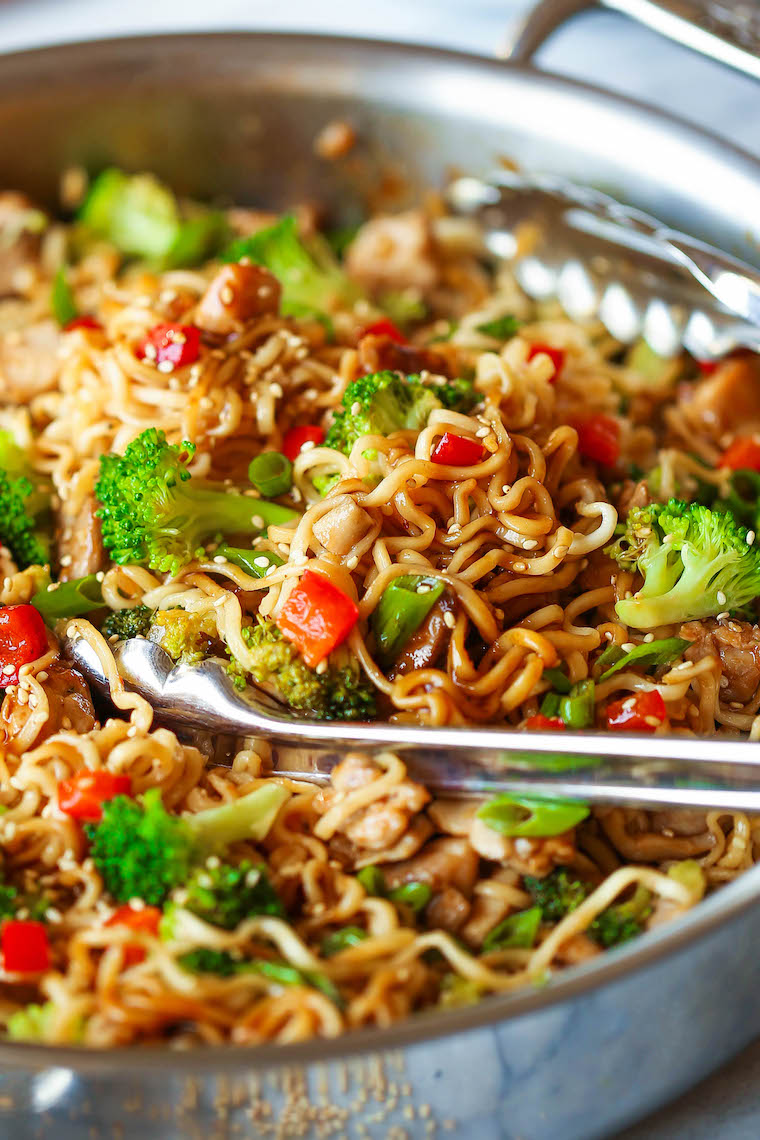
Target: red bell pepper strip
23	638
556	355
457	450
294	440
599	438
83	322
541	723
642	712
25	947
176	345
743	453
144	919
317	617
385	327
82	796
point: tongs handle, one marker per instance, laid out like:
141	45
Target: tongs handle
728	34
598	768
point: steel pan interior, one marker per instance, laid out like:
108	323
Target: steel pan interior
234	117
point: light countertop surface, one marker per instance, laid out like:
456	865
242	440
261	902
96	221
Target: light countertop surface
602	47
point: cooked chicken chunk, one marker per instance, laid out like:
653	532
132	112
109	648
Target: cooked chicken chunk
342	527
729	399
736	644
394	252
28	361
381	823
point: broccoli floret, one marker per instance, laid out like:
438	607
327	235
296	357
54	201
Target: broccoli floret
185	636
155	515
225	894
207	961
312	280
696	563
143	218
226	965
125	624
561	892
23	504
341	692
142	851
384	402
558	893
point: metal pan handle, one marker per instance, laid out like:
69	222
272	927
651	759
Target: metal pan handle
722	30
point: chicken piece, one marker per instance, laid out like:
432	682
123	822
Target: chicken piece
394	252
379	352
80	548
447	862
20	227
381	823
418	832
28	361
729	399
454	817
69	700
528	856
342	527
736	644
235	295
448	910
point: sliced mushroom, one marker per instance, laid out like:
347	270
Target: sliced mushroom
443	863
237	294
428	643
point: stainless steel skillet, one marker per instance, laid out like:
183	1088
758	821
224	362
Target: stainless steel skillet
608	1041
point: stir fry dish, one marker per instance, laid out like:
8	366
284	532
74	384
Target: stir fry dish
371	477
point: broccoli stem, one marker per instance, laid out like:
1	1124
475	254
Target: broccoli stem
249	817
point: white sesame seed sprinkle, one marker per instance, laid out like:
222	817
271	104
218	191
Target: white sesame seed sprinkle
649	638
262	561
721	598
258	522
750	537
449	619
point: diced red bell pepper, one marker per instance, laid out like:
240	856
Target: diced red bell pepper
457	450
641	712
385	327
176	345
146	919
707	367
292	444
541	723
25	947
556	355
317	617
599	438
23	638
82	796
83	322
743	453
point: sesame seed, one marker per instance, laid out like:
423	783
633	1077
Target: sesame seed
66	560
258	522
560	551
226	295
649	638
736	705
275	389
53	915
165	366
627	646
721	598
519	567
653	721
136	904
481	433
42	676
530	543
449	619
356	408
219	559
261	562
322	667
505	489
100	576
723	615
423	589
750	537
308	446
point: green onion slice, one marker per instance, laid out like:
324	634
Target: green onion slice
62	299
403	607
531	817
577	707
650	654
271	474
254	562
502	328
517	931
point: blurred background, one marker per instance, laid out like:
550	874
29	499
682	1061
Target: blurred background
602	47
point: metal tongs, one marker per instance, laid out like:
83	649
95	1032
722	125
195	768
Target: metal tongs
599	768
602	259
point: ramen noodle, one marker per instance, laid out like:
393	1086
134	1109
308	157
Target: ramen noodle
441	544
